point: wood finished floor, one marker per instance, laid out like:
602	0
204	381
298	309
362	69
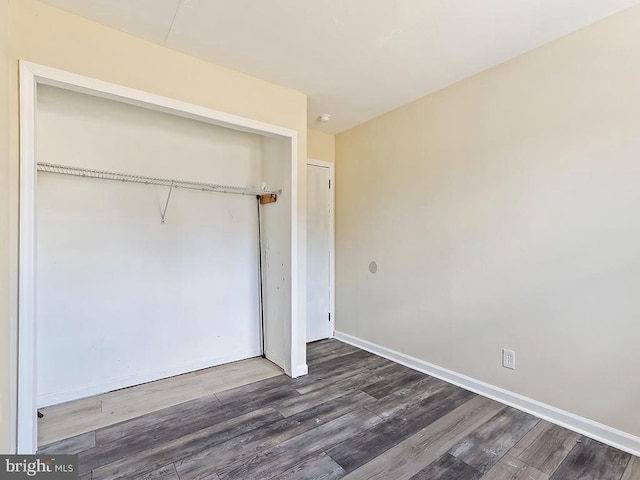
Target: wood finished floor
87	414
355	416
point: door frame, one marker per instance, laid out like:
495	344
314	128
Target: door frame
332	239
31	75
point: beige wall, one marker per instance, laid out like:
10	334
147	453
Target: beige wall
49	36
321	146
6	401
502	212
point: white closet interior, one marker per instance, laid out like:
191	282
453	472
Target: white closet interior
123	298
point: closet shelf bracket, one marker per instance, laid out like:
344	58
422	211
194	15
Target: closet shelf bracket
166	204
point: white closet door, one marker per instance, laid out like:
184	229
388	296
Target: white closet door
318	253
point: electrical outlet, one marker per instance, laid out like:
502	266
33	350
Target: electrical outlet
508	359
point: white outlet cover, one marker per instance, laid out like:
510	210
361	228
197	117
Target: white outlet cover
508	359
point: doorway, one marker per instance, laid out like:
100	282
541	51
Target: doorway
320	250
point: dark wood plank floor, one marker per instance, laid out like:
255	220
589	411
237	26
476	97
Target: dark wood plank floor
355	416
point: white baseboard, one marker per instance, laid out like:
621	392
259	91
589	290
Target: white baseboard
296	370
299	370
603	433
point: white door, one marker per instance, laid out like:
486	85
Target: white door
318	253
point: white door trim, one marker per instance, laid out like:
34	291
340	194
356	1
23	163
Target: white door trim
332	238
31	75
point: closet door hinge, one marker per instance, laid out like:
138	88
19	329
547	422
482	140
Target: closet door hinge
329	316
329	184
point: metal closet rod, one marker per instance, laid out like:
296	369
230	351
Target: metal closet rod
126	177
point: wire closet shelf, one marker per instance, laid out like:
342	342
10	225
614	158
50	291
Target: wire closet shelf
126	177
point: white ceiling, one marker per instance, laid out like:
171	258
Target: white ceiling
355	59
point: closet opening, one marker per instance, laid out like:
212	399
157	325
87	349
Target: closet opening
157	238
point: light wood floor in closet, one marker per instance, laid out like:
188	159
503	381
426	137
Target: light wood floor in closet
81	416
